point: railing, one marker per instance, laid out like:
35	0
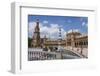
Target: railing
82	52
40	55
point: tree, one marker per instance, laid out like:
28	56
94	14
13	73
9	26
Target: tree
29	42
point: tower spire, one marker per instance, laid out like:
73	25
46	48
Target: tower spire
37	26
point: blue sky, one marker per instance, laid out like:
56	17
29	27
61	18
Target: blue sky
50	23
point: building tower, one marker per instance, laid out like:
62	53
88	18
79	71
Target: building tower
60	36
59	40
73	38
36	37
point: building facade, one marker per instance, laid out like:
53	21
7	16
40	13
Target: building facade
73	39
76	39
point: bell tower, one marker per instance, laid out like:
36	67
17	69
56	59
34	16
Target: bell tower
36	42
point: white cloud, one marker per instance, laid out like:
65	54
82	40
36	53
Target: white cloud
73	30
69	31
31	27
54	31
76	30
84	24
45	21
51	31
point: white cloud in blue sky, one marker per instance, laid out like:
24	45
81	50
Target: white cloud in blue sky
73	30
52	31
45	21
49	25
84	24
